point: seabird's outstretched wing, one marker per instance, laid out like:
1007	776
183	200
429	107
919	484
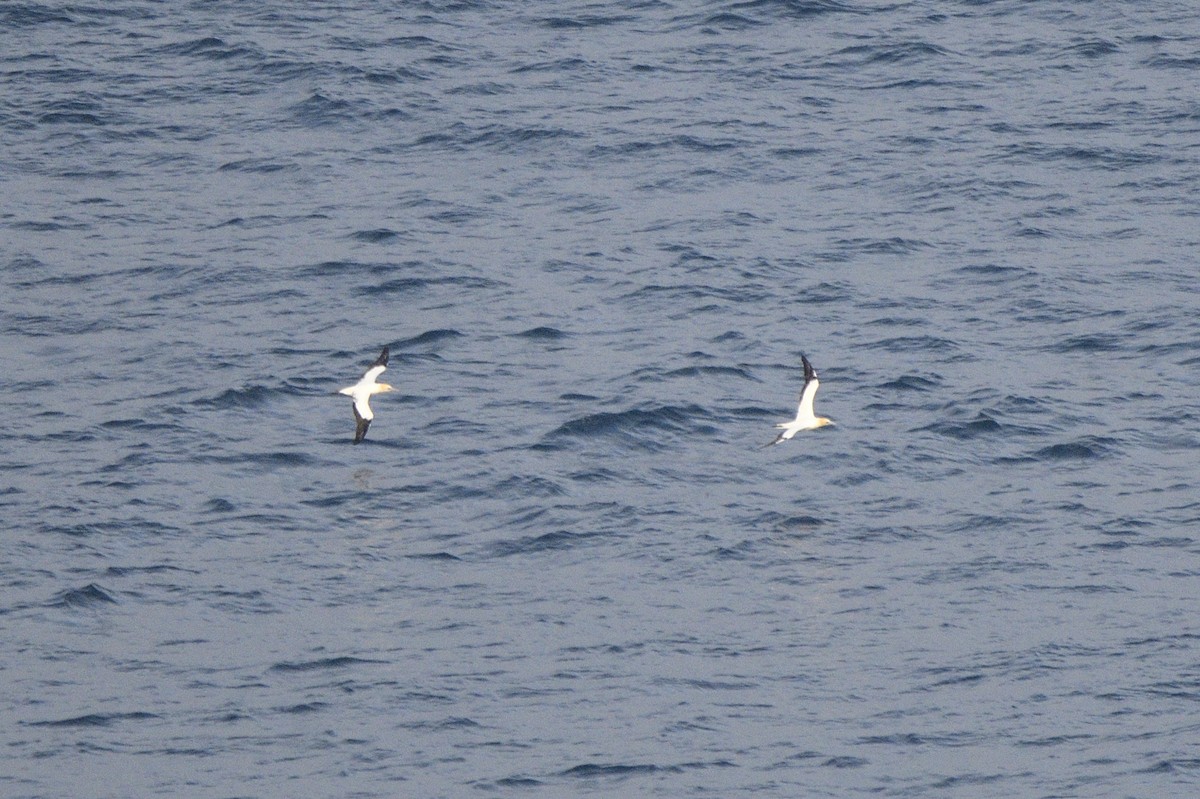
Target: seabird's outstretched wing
811	384
362	423
376	369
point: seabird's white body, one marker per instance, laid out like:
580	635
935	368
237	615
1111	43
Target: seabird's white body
362	391
805	418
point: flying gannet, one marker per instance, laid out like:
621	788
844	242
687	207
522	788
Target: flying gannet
362	391
805	419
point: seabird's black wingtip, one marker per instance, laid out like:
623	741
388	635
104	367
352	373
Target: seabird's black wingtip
382	359
809	371
360	425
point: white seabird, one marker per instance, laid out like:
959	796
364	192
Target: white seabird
805	418
362	391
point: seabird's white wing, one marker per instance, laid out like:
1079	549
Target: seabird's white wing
372	373
360	425
806	399
362	407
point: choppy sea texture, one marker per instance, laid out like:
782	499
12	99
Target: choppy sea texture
597	237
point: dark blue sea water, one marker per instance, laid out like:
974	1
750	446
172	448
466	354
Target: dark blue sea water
597	237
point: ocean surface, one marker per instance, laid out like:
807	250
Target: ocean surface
597	238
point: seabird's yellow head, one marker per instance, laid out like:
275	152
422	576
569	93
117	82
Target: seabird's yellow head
382	388
822	421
